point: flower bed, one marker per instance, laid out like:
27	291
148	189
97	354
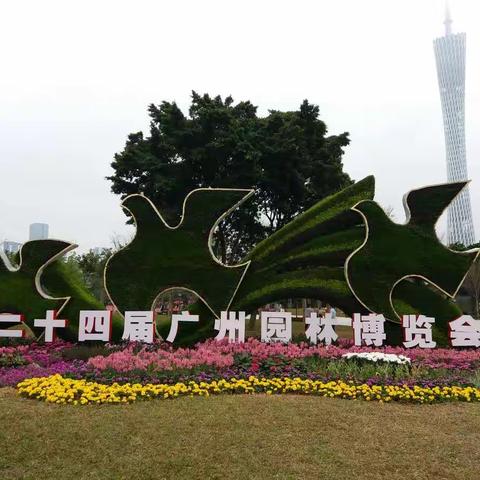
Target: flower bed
161	365
36	360
56	389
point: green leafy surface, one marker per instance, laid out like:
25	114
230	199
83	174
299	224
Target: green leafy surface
393	251
18	289
160	257
304	259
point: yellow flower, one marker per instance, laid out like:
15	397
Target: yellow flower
59	390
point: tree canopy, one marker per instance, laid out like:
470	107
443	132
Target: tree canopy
90	266
287	157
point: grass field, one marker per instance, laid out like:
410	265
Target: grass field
238	437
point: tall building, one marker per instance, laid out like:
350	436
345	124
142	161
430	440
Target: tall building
450	59
98	250
10	247
38	231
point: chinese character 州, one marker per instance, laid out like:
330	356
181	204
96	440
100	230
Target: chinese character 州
229	323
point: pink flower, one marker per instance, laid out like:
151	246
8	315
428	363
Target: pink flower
221	354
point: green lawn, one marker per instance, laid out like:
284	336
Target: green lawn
238	437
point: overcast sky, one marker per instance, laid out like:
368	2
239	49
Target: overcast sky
77	77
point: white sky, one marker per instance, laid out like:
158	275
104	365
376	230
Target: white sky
77	77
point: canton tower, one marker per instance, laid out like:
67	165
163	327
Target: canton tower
450	59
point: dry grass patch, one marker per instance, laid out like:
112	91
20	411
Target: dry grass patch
238	437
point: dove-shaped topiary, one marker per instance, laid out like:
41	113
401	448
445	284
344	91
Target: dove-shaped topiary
162	257
343	250
21	288
392	253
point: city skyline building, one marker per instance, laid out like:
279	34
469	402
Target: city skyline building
450	61
38	231
11	247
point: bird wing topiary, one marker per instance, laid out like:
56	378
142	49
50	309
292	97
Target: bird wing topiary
391	253
162	257
312	257
21	288
41	282
305	258
343	250
59	280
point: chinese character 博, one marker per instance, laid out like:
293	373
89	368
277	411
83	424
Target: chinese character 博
369	329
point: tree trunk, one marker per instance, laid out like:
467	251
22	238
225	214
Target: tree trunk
304	307
253	317
223	247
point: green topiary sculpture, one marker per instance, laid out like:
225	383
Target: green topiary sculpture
41	282
21	289
344	250
161	257
309	258
392	253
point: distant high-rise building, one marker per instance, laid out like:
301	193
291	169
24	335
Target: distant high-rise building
38	231
98	250
450	59
11	247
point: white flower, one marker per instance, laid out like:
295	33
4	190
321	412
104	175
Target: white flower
378	357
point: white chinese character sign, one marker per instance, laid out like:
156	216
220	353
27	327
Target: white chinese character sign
465	332
50	323
178	318
9	320
231	325
391	266
322	329
139	327
95	325
276	327
418	331
369	329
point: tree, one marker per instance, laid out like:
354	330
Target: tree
286	157
90	266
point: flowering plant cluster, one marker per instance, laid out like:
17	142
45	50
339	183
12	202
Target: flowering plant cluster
219	361
378	357
56	389
34	360
165	358
222	353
